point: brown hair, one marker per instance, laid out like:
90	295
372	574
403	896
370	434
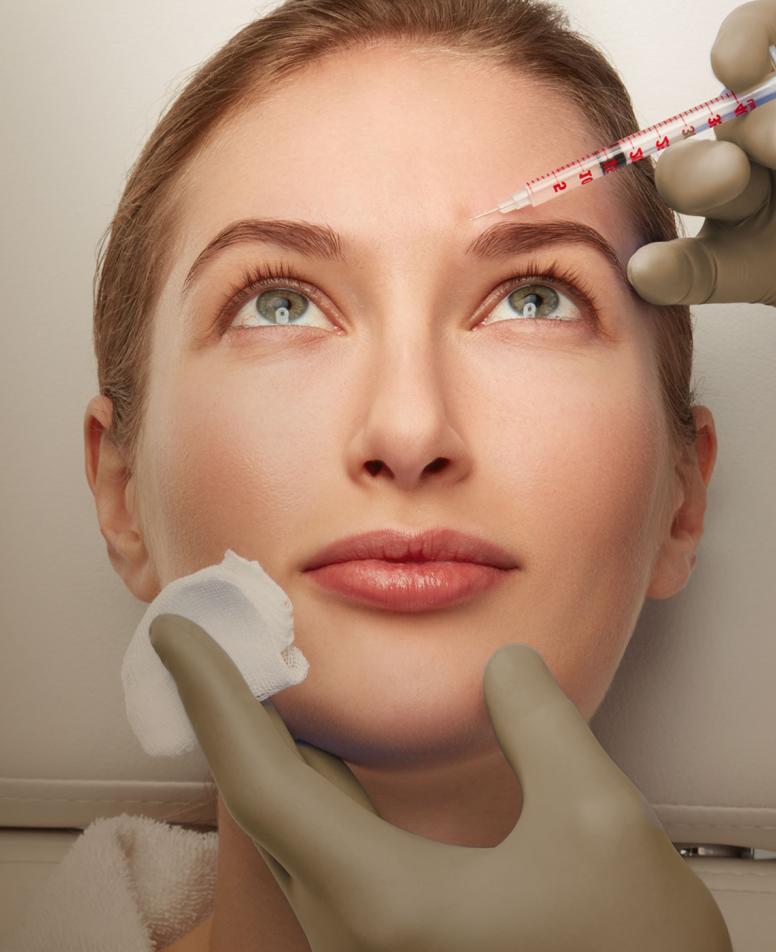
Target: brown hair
526	35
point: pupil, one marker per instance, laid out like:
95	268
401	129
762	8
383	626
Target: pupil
281	308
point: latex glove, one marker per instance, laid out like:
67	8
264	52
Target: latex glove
587	867
729	180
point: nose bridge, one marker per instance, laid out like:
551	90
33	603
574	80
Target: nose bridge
409	327
415	279
408	371
408	409
411	321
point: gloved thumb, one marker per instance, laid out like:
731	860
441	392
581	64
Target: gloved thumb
559	762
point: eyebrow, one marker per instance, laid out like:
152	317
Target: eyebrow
321	241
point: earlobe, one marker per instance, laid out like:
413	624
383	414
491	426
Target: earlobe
670	575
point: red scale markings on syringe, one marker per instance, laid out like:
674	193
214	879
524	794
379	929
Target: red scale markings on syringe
714	118
687	129
646	142
560	184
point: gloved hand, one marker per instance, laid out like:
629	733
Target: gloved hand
587	867
729	180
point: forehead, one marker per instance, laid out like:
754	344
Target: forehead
399	146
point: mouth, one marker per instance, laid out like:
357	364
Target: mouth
403	572
408	586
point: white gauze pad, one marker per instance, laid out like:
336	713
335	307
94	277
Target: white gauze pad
241	608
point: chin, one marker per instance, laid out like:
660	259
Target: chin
389	730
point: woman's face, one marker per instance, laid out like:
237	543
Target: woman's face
411	349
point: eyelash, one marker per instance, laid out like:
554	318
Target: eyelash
263	274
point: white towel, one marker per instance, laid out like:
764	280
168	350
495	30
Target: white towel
127	884
240	607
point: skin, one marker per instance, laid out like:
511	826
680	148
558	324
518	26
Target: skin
554	439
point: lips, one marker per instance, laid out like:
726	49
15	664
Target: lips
435	545
408	586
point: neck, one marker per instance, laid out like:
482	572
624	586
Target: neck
474	802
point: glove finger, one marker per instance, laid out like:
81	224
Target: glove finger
296	815
710	269
325	764
755	133
337	772
280	727
556	757
281	875
673	272
752	199
712	179
695	177
739	55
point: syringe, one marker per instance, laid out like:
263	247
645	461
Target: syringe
728	105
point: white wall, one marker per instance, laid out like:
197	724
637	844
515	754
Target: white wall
82	85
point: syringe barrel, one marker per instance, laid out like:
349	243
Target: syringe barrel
575	175
642	144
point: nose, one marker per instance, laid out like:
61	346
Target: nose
412	406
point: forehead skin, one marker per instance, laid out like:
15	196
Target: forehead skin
398	160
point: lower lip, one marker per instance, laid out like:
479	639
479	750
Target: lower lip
407	586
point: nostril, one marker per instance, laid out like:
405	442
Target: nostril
374	467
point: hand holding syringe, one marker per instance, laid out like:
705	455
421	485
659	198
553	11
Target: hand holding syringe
729	179
641	144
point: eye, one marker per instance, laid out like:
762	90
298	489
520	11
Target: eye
541	303
268	296
278	306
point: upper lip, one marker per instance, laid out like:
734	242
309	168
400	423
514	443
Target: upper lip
394	545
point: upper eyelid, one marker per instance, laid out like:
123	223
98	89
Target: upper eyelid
585	297
251	290
550	279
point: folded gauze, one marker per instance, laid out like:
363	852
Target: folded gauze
241	608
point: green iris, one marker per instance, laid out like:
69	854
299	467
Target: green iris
283	307
539	304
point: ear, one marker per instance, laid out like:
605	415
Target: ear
692	472
113	487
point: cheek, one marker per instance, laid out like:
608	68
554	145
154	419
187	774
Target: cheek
231	466
588	505
607	456
582	442
599	464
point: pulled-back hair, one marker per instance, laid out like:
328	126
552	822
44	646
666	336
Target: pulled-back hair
531	36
